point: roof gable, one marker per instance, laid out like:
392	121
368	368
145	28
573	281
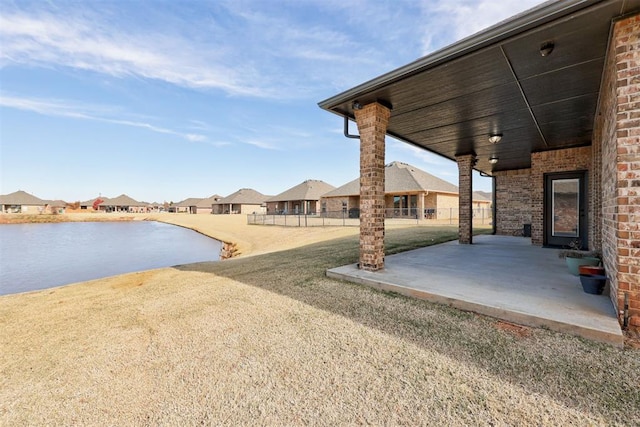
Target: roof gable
311	189
122	200
399	178
244	196
186	203
20	198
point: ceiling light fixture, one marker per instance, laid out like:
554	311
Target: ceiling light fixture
495	138
493	160
546	48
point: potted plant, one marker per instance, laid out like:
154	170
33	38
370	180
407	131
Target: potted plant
593	283
575	257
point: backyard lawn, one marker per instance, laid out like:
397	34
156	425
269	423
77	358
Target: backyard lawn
268	339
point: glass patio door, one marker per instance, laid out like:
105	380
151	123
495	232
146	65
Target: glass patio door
565	221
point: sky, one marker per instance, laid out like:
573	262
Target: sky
165	100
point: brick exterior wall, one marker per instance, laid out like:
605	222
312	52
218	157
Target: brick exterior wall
465	193
572	159
513	201
617	138
372	122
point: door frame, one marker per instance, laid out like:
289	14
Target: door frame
583	209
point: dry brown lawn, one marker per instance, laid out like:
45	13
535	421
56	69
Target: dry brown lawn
268	339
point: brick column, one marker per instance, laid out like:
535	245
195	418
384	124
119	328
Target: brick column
372	122
465	198
626	40
617	141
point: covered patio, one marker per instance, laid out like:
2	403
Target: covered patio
546	103
500	276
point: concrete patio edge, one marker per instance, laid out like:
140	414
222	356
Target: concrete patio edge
351	273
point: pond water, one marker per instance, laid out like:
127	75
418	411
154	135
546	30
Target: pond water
41	256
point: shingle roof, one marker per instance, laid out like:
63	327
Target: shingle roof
400	177
310	189
206	203
121	200
90	201
244	196
482	196
56	203
191	201
20	198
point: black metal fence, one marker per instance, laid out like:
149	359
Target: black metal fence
351	217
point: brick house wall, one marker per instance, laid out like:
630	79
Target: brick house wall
567	160
617	138
513	201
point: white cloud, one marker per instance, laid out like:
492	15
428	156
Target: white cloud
260	144
63	108
44	39
256	49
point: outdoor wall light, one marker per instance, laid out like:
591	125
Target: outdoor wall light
495	138
493	160
546	48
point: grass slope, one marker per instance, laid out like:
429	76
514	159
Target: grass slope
270	340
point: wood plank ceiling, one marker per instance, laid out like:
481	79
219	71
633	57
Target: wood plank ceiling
536	102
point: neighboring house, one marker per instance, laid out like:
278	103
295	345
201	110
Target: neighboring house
409	192
243	201
97	204
186	206
304	198
205	206
21	202
543	101
123	203
55	206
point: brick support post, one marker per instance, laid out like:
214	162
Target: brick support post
465	198
617	140
626	41
372	122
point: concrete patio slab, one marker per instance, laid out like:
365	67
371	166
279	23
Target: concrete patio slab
499	276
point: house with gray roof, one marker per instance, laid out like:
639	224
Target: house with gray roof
205	206
122	203
21	202
303	198
243	201
409	192
186	206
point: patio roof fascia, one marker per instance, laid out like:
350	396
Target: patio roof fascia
537	16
